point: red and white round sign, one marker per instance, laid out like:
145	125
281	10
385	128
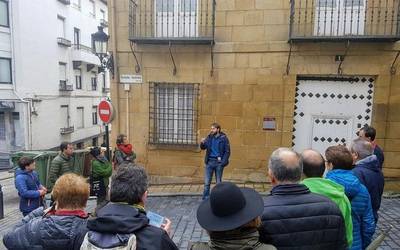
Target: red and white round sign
106	111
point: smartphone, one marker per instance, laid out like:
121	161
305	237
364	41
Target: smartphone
155	219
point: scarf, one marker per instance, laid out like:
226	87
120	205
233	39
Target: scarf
78	213
127	149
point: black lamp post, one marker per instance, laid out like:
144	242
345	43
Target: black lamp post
100	40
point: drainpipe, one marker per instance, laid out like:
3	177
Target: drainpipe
14	80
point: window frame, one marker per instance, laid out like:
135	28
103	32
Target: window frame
179	107
82	118
94	115
10	67
93	82
8	14
78	77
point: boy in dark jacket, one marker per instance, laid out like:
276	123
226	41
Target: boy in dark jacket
30	191
125	214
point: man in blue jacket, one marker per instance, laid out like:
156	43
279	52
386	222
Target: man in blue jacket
367	169
217	156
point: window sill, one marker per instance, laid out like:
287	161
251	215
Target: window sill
180	147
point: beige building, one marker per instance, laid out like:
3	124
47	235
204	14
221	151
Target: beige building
301	73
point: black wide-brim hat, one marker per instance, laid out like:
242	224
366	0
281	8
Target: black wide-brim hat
229	207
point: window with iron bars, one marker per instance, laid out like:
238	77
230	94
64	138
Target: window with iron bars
94	115
173	113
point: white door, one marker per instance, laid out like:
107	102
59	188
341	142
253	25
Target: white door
330	111
176	18
3	133
339	17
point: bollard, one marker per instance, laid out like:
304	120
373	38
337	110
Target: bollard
1	203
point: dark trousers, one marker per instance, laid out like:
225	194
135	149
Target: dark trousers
212	166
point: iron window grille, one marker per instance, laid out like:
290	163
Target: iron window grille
173	113
186	21
369	20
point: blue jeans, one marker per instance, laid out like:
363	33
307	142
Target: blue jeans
212	166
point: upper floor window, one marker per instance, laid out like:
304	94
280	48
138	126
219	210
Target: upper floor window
80	117
94	115
76	3
61	26
78	78
94	81
4	15
92	11
103	14
5	70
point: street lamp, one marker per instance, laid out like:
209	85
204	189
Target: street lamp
99	41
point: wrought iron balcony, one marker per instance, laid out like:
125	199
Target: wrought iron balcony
63	42
64	86
66	2
103	22
67	130
176	21
338	20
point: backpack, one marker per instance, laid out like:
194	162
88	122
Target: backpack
117	241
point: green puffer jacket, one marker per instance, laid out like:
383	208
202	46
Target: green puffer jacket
102	168
244	239
60	165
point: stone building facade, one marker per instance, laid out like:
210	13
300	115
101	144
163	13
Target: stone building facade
250	65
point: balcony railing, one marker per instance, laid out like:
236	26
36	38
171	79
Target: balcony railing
337	20
66	2
103	22
178	21
63	42
67	130
64	86
106	90
83	47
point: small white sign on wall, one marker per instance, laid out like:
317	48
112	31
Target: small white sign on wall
131	79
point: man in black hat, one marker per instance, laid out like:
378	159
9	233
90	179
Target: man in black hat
293	216
231	217
217	156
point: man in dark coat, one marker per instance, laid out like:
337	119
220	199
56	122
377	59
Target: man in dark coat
367	169
125	214
295	218
217	156
369	133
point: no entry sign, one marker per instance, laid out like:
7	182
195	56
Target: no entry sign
106	111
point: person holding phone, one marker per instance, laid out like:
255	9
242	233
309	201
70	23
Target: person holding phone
125	215
217	156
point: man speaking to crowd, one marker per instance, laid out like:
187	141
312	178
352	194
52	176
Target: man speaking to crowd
217	156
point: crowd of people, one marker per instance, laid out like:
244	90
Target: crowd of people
316	202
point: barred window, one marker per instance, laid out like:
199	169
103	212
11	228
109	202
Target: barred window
173	113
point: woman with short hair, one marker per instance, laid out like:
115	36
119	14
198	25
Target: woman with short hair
124	151
59	227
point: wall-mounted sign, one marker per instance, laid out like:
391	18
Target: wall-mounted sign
130	78
269	123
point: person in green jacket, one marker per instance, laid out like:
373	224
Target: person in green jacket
101	172
313	170
61	164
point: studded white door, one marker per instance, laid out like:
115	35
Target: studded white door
329	111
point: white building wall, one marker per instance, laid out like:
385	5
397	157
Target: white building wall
37	55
